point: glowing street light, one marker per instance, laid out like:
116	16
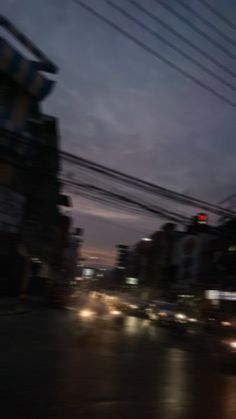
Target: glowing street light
146	239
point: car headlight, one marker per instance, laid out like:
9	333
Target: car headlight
231	344
115	312
226	323
192	320
162	314
86	313
133	306
180	316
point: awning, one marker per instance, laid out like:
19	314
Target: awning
23	71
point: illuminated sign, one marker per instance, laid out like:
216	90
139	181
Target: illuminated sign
220	295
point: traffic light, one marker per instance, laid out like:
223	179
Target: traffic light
199	224
202	218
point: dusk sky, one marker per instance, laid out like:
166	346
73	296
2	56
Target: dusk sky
120	106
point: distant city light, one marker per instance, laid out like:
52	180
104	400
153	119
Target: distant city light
226	323
36	260
146	239
180	316
131	281
192	320
232	248
79	278
220	295
88	272
116	312
232	344
212	294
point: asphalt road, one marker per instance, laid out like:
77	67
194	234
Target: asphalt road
47	370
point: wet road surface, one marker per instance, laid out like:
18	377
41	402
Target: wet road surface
138	371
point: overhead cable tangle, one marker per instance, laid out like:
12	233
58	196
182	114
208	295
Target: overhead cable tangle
207	22
183	38
145	185
170	44
161	212
156	54
118	176
189	23
216	12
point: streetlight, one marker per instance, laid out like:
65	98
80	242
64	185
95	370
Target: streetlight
146	239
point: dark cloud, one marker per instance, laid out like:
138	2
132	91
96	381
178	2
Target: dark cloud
113	96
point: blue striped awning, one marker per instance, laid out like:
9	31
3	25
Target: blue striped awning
23	71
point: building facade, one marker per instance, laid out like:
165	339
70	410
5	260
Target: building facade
29	162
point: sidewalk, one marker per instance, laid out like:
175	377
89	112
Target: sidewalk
11	306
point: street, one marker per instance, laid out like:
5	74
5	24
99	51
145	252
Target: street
137	371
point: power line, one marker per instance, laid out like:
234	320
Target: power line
126	200
142	185
108	201
160	212
129	180
206	22
108	221
155	53
170	44
120	189
228	198
195	28
145	185
182	37
217	13
125	227
102	199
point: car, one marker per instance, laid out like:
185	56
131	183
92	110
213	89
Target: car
137	308
223	347
116	315
166	313
221	344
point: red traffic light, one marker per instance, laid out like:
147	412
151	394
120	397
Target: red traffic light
202	218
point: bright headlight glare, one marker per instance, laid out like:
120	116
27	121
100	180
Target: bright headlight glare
133	306
232	344
192	320
226	323
180	316
86	313
162	314
115	312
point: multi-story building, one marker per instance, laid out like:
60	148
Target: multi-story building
29	161
122	259
71	268
187	262
153	258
